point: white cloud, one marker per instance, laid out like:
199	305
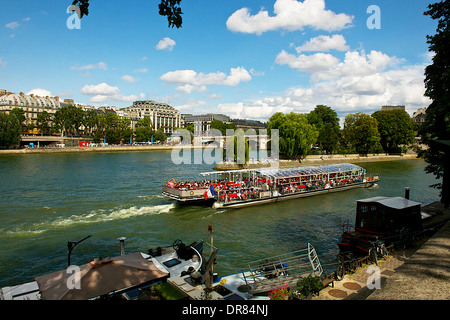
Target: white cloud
12	25
312	63
3	64
104	92
40	92
289	15
359	83
165	44
325	43
101	65
143	70
129	78
189	80
26	19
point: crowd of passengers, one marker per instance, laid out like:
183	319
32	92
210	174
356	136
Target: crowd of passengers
245	189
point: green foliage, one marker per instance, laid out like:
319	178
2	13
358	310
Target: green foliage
437	83
309	285
43	120
19	113
326	121
296	134
222	127
10	128
169	8
160	135
395	127
361	133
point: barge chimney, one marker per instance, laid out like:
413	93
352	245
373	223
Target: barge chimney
122	245
407	193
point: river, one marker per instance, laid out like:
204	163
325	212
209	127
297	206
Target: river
50	199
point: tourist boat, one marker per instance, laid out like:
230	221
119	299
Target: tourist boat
125	275
239	188
389	220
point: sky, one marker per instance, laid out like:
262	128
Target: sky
243	58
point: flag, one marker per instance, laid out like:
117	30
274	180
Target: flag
213	192
206	195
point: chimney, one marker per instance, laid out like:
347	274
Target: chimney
122	245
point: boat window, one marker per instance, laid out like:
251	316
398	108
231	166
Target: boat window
172	262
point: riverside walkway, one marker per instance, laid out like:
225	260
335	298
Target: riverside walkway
421	273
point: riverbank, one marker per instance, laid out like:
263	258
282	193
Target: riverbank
314	160
118	148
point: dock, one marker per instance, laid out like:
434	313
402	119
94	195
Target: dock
419	273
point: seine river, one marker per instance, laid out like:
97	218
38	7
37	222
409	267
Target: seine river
50	199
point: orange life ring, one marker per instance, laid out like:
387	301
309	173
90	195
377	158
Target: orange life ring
192	192
244	196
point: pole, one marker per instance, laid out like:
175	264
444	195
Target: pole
122	245
71	245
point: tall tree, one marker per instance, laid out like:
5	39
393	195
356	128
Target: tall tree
395	127
437	84
9	130
326	121
295	133
42	121
361	133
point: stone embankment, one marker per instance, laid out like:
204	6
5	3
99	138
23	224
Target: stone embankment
317	160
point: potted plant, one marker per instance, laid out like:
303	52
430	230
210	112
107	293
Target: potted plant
280	293
307	287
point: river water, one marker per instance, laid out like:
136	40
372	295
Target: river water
50	199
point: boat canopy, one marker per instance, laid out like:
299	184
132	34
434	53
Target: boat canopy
303	171
293	172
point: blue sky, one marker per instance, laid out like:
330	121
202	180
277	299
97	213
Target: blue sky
243	58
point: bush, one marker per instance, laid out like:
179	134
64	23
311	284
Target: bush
309	285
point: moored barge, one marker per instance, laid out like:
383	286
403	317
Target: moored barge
239	188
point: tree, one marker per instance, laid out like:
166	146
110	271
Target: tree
169	8
295	133
395	127
42	121
10	128
20	114
437	82
221	126
326	121
160	135
69	119
144	130
361	133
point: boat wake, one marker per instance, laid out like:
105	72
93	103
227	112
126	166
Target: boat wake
94	216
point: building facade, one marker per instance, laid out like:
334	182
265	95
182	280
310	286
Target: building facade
32	105
202	123
162	115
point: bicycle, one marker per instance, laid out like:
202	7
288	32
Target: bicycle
378	250
347	263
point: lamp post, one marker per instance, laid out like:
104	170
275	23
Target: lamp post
71	245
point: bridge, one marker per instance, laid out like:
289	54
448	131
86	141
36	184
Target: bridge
261	141
48	140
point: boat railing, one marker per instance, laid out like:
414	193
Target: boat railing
362	234
265	274
188	193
